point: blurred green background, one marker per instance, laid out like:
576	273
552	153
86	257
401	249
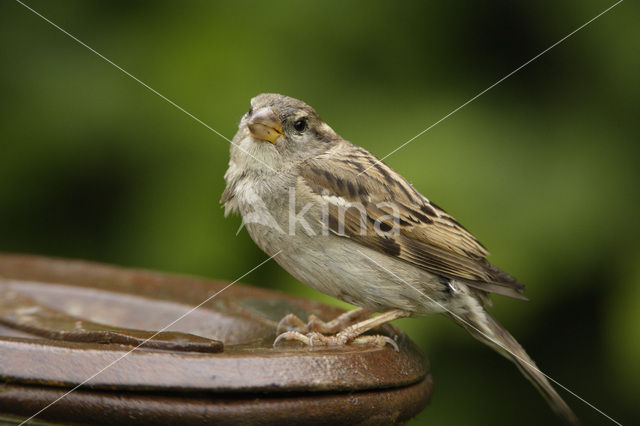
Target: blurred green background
543	168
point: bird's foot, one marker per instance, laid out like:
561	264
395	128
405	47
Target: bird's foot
318	339
351	334
315	324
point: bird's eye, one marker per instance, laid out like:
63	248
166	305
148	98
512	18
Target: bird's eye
250	111
300	125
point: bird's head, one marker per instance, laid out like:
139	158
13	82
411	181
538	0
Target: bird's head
280	130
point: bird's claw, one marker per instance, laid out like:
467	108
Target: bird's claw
340	339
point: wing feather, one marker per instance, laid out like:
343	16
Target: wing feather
382	202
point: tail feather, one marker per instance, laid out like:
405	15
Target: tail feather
490	332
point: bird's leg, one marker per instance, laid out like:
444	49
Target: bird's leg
293	322
351	334
339	323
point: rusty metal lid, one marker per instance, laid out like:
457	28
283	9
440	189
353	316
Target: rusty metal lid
63	321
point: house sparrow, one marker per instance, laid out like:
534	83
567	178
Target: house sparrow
349	226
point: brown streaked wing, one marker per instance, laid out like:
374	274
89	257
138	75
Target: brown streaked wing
428	237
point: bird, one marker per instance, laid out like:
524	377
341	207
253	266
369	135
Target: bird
343	222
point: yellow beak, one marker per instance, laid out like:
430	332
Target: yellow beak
265	125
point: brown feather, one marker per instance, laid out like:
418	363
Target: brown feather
428	237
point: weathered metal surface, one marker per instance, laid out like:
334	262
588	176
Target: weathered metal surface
239	369
61	322
381	407
22	313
